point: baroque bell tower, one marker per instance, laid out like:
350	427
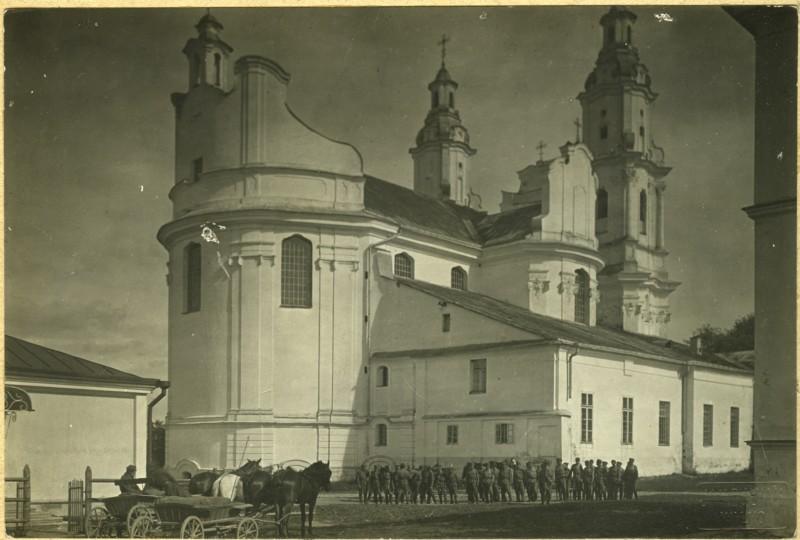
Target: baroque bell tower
441	155
617	104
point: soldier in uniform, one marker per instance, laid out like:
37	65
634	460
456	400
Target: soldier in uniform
413	484
545	482
385	484
588	480
451	483
504	480
618	475
402	484
362	477
565	467
611	485
438	483
483	485
493	479
576	478
519	483
559	475
471	480
629	478
426	485
374	485
529	478
600	474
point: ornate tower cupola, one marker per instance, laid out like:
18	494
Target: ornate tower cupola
441	155
208	55
617	103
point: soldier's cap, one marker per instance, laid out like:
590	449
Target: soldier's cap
130	468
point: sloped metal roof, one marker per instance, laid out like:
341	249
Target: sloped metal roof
26	359
417	211
557	329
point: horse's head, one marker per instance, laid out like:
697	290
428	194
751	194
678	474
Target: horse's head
252	466
321	473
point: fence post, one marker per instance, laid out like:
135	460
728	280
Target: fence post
19	526
26	494
87	497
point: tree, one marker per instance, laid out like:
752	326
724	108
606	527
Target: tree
740	337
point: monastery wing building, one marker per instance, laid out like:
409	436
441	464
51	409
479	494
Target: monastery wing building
319	313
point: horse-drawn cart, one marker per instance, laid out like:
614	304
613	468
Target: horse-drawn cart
117	514
194	517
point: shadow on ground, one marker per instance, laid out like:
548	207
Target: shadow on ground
642	518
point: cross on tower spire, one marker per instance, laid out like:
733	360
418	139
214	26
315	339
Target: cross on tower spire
578	125
540	147
443	43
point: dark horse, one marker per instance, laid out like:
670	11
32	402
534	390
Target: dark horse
161	482
287	486
202	483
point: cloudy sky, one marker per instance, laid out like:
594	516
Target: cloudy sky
89	140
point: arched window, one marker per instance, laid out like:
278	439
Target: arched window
630	35
197	70
193	262
452	101
296	272
217	69
404	266
435	99
381	438
610	34
458	278
643	212
383	376
602	203
581	297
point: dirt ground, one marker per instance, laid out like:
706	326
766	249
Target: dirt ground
657	515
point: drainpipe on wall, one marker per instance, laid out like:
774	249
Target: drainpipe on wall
365	352
163	385
570	356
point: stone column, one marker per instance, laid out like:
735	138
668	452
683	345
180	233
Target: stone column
660	216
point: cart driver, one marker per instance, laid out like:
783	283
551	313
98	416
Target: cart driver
127	482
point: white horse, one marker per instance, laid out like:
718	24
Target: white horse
229	486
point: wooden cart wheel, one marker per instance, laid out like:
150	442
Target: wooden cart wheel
95	522
141	526
192	527
247	528
139	509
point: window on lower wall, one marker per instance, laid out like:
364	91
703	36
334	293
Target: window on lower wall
452	434
445	322
734	427
478	376
381	437
504	434
193	261
708	425
586	418
296	272
663	423
404	266
627	420
383	376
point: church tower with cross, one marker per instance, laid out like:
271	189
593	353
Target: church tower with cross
617	103
442	151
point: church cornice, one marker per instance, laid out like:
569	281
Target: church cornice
618	87
443	143
632	159
530	246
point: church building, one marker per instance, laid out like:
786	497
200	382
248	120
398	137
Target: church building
319	313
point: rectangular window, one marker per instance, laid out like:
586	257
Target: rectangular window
197	169
663	423
478	376
627	420
381	437
586	418
452	434
446	322
734	427
504	434
194	278
708	425
604	132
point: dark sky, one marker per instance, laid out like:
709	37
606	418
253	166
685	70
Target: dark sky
89	140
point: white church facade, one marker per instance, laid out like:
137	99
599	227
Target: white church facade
317	312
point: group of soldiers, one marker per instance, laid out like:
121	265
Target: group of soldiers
496	481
